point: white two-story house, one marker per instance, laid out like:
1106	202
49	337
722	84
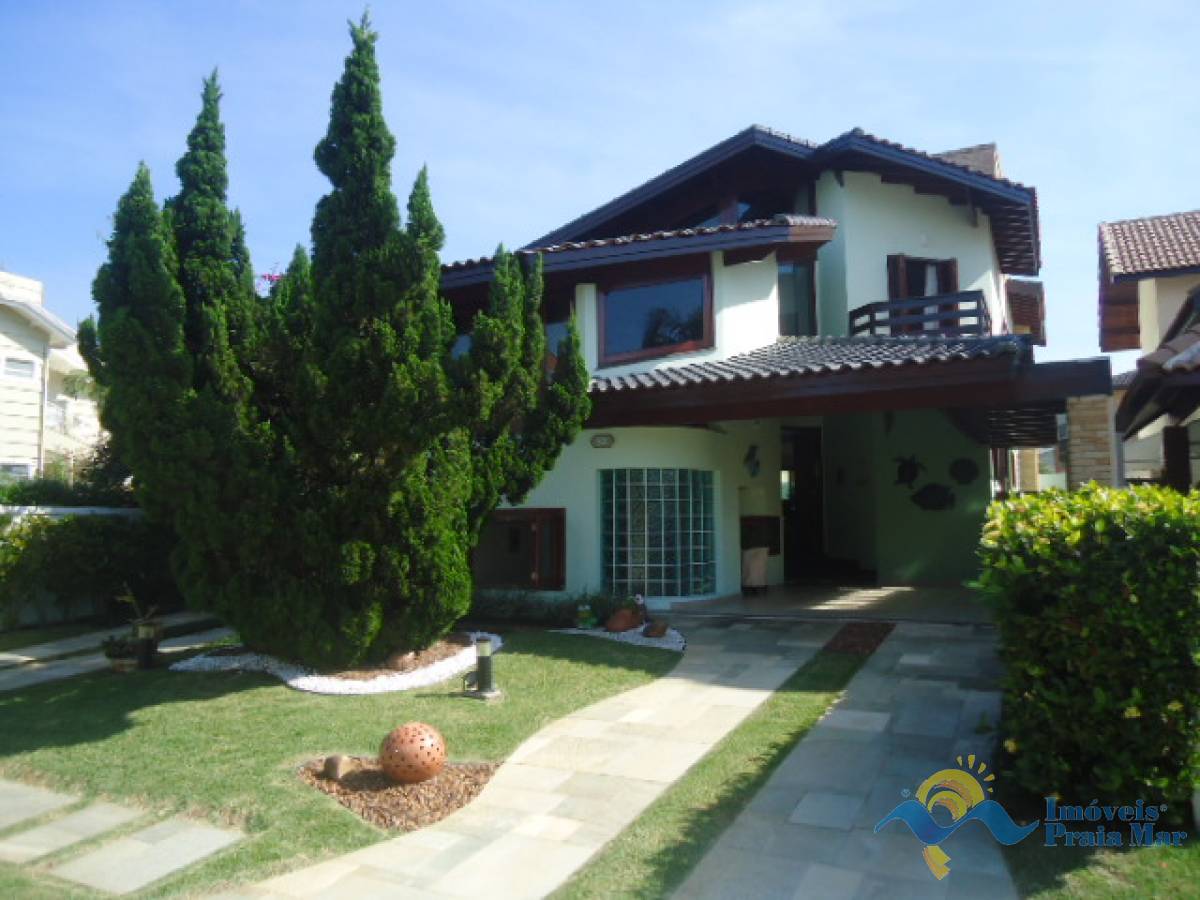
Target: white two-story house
48	425
799	347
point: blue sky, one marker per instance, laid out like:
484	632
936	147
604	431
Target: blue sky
530	113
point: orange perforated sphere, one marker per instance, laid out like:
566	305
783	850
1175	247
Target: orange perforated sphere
413	752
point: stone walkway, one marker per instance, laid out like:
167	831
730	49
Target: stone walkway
23	676
89	641
916	704
120	865
577	783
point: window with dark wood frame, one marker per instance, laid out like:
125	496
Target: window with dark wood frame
900	269
522	548
673	313
902	282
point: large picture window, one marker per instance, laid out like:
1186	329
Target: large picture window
522	548
657	532
640	321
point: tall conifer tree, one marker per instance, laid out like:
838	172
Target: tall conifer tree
343	460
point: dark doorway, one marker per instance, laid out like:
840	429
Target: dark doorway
803	491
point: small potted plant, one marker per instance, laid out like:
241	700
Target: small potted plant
147	630
122	653
628	615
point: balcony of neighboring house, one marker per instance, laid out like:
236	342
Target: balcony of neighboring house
72	428
958	314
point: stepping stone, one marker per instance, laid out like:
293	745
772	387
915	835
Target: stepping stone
130	863
20	802
35	673
81	642
71	829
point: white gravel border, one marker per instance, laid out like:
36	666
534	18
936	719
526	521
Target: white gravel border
672	640
303	679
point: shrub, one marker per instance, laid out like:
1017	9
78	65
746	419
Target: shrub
85	562
54	492
1097	598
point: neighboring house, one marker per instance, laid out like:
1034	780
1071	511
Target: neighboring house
45	424
800	347
1150	301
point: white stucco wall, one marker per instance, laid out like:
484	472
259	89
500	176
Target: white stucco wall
1159	302
876	220
745	316
574	484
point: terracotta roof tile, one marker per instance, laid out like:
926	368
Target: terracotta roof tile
796	356
1154	244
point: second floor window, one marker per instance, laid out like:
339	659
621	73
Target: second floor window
911	276
642	321
15	367
797	300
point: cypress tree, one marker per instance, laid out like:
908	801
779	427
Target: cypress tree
340	460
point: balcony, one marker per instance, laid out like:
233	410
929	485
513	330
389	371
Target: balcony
964	314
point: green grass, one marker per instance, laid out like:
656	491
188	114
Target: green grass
1073	873
225	746
27	637
655	854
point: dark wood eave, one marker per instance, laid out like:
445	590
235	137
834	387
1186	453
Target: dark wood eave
1002	382
619	252
1155	392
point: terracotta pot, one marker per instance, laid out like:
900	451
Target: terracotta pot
655	629
623	620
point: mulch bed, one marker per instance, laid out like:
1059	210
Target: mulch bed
860	638
451	645
400	807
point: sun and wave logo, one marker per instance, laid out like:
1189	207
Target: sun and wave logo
964	797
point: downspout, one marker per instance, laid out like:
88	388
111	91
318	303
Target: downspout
41	460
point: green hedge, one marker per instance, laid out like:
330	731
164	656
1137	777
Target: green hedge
85	562
52	492
1097	598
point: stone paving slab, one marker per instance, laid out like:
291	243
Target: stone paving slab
911	708
130	863
13	679
22	802
572	787
86	823
81	642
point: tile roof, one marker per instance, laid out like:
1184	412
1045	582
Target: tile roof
796	356
1122	380
782	219
1027	303
1153	244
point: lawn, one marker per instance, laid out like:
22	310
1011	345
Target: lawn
655	854
27	637
224	746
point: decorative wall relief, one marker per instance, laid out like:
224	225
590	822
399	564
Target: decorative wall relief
964	470
908	470
934	497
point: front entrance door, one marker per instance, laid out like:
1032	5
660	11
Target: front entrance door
803	503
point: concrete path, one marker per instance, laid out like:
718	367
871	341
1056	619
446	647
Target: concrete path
940	605
119	865
916	704
577	783
91	640
37	672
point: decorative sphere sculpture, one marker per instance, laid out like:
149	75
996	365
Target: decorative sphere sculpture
412	753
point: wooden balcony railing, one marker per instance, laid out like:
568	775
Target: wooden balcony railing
964	314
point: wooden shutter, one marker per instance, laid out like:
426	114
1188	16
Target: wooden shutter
897	277
948	276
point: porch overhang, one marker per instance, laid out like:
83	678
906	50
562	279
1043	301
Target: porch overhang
1000	397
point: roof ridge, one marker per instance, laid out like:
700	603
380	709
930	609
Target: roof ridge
1153	218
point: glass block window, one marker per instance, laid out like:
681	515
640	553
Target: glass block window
657	532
